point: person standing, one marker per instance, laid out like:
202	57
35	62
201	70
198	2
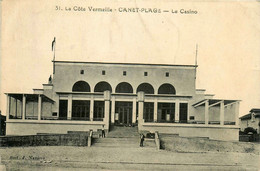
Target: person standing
103	132
142	140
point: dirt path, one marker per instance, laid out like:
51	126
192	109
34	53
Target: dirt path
80	158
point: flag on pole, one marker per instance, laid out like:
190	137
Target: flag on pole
53	44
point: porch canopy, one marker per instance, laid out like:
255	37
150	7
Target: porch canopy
30	97
221	103
213	102
27	106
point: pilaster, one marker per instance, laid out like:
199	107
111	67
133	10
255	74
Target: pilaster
207	112
24	107
39	106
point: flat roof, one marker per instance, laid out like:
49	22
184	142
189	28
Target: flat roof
32	97
115	63
248	116
214	101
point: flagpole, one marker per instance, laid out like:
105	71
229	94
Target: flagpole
54	48
54	60
196	61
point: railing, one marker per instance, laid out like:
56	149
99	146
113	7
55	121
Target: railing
98	119
80	118
53	118
159	121
15	117
173	121
65	118
229	123
190	122
56	118
214	122
31	117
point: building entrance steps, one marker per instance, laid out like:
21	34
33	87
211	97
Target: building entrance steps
122	131
123	137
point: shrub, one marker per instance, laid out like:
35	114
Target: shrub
250	129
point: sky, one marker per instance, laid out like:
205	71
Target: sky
227	35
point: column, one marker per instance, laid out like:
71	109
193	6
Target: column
113	105
39	107
24	107
107	96
222	111
188	112
140	112
177	111
15	107
69	107
7	107
140	97
207	112
237	113
91	108
134	111
155	110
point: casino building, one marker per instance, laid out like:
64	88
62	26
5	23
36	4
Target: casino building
155	97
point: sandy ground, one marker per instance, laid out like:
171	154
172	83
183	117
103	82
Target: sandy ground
115	158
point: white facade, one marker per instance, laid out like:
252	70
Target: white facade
86	95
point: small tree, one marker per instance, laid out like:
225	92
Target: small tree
250	129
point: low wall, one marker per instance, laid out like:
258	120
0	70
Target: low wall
227	133
180	144
250	138
45	140
32	128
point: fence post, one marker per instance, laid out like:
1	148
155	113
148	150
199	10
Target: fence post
157	140
89	138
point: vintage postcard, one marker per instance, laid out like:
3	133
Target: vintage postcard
129	85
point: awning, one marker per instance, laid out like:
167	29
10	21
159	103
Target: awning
214	102
30	97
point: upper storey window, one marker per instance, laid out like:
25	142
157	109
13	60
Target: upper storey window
124	73
81	86
146	88
166	89
167	74
145	73
124	87
102	86
103	72
82	71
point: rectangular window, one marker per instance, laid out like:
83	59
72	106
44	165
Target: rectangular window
63	108
15	108
80	110
166	112
145	73
81	71
167	74
99	107
103	72
183	112
148	111
124	73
